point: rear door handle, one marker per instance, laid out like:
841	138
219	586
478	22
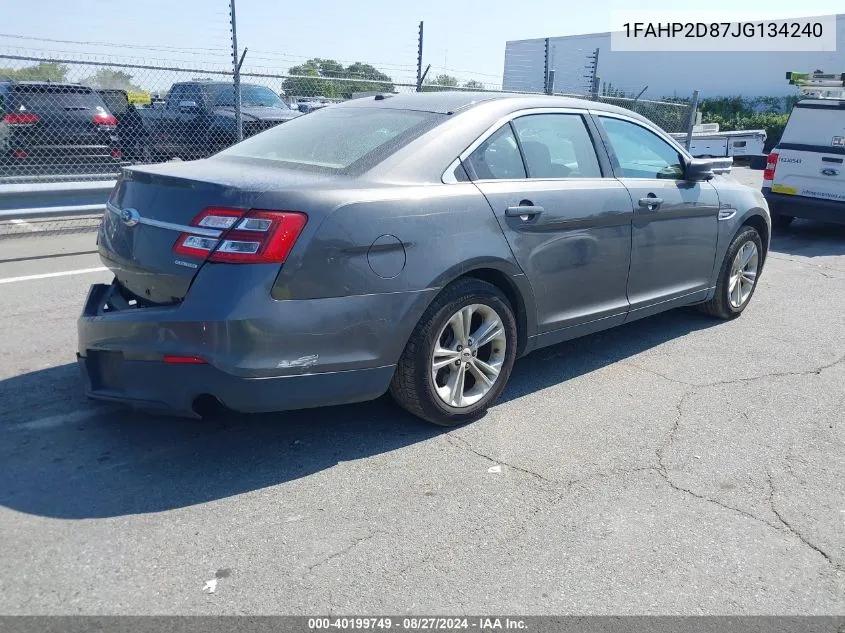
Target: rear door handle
523	211
651	202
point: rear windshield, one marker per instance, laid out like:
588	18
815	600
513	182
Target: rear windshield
338	138
224	95
823	126
56	98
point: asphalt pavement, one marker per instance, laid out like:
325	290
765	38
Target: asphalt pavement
676	465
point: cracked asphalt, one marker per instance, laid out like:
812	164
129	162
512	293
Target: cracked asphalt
676	465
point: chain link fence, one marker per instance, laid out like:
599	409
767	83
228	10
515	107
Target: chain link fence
78	118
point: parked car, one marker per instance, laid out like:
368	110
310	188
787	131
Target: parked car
805	173
199	118
133	135
418	243
55	123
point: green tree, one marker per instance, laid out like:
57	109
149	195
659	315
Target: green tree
42	71
474	85
441	82
114	79
314	78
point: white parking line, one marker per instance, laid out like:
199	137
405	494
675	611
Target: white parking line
24	225
63	273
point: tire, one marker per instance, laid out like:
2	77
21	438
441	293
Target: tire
723	304
781	222
421	390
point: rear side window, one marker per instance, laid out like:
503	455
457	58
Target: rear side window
557	146
55	99
338	138
498	157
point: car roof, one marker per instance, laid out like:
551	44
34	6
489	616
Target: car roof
50	84
449	102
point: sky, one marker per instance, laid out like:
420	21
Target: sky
465	39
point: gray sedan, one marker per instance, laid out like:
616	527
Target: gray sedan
414	243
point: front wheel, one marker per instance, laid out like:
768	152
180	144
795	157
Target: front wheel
738	276
459	357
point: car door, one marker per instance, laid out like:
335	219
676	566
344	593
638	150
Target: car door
675	226
567	223
167	138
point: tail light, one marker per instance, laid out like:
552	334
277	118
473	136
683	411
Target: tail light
116	153
21	118
104	120
247	237
771	164
183	360
19	153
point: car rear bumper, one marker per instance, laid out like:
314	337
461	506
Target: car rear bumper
265	355
804	207
175	389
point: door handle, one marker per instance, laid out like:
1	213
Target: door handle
651	202
523	211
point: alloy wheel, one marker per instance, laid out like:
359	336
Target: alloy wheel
468	355
744	271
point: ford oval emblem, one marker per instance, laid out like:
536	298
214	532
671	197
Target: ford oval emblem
829	171
130	217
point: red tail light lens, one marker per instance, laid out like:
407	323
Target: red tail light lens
116	153
251	237
183	360
20	153
21	118
104	119
771	164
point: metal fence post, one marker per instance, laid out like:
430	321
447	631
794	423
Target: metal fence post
546	67
693	108
419	58
236	75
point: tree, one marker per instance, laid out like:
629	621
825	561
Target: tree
314	78
113	79
42	71
475	85
441	82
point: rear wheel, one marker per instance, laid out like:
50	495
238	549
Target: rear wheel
460	355
738	276
781	222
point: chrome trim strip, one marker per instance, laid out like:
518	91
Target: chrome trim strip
726	214
169	226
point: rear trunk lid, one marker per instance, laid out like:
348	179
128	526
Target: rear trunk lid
152	206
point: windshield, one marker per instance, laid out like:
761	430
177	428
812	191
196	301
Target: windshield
335	138
250	96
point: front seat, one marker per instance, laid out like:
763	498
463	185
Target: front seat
539	159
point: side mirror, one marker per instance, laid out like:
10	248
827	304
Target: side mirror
699	170
188	106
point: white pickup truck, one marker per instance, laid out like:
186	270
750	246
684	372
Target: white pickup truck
805	173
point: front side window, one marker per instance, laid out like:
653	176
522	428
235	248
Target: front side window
498	157
557	146
640	152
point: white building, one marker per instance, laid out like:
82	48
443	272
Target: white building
713	74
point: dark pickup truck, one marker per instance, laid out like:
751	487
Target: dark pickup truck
197	118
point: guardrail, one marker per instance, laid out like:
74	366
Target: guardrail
45	200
